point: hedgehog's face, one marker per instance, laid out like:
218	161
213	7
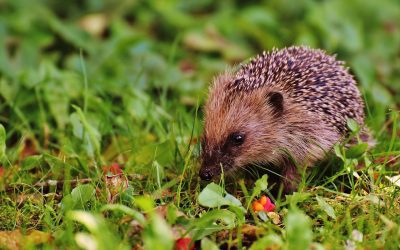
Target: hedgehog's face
239	131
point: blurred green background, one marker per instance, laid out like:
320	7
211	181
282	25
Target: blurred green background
139	70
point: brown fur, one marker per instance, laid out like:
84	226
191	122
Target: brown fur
297	134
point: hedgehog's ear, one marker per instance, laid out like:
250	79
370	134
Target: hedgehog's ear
275	100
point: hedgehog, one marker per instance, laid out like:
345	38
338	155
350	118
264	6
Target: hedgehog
285	108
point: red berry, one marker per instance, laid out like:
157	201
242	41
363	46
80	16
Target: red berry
269	206
184	244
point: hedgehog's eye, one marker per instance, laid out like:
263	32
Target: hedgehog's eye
236	139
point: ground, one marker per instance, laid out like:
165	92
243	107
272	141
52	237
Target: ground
100	113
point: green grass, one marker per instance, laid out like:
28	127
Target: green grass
75	99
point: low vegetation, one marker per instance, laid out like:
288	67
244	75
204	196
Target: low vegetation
100	118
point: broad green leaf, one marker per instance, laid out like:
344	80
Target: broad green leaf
353	125
87	133
260	185
298	230
233	201
57	94
326	207
31	162
172	214
8	92
213	196
77	127
357	150
338	151
205	225
67	203
381	95
55	163
145	203
207	244
240	213
126	210
81	195
93	135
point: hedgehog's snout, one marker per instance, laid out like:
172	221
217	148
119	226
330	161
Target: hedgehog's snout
210	164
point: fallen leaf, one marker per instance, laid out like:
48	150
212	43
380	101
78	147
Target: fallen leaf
35	198
113	169
15	239
115	184
10	239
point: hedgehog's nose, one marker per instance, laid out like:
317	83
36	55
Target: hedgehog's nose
205	175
